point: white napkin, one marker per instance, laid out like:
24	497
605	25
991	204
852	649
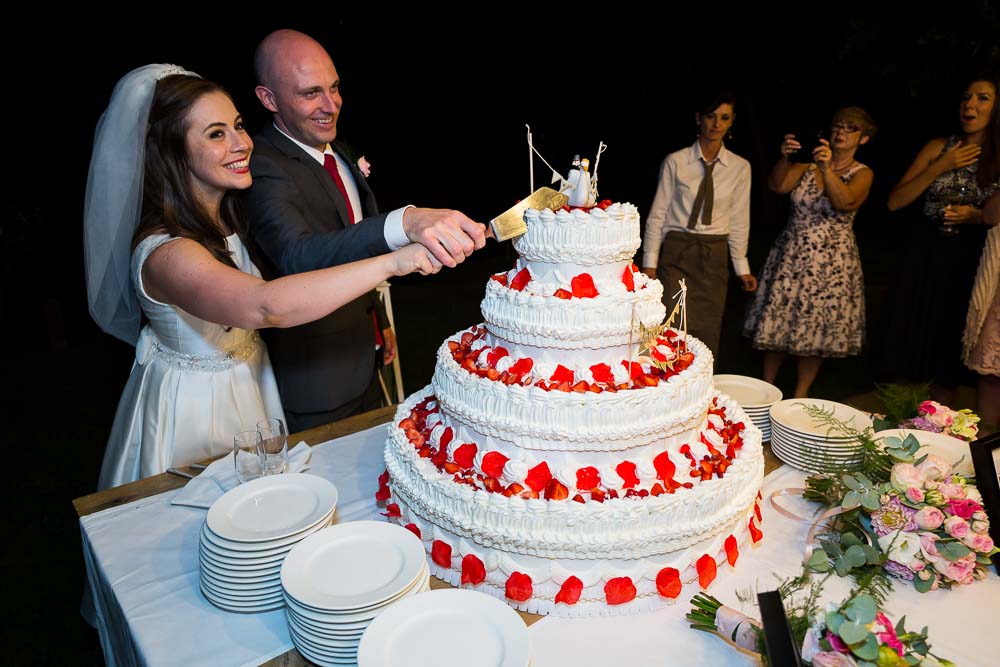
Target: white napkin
220	477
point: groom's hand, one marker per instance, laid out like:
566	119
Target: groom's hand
449	235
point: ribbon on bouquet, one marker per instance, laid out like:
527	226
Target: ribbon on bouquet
815	524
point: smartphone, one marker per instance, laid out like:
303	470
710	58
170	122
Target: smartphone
810	142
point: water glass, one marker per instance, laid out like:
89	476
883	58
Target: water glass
274	445
248	455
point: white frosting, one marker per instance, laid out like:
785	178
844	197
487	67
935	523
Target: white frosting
580	237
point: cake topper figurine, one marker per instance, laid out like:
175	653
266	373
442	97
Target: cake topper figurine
580	185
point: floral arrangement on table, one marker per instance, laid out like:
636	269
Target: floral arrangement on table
853	633
907	407
901	516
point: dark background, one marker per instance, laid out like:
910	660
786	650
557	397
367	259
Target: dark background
438	104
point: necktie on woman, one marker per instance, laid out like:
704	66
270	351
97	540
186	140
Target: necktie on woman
704	198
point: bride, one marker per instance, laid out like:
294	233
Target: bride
163	248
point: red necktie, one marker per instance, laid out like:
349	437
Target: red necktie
330	164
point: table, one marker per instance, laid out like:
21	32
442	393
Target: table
155	612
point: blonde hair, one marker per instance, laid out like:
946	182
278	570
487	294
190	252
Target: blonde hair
859	117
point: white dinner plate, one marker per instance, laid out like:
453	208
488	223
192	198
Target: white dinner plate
238	577
479	625
353	565
266	562
809	463
260	549
421	580
848	445
944	446
792	414
324	642
242	606
267	593
271	508
747	391
323	660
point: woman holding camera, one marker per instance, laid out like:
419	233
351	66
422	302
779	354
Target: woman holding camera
811	303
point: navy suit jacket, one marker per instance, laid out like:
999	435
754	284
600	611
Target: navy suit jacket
297	222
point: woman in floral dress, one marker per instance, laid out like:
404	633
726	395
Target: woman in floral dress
811	301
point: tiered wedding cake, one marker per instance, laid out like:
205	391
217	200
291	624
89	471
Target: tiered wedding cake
565	458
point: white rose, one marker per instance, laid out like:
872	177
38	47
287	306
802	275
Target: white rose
900	546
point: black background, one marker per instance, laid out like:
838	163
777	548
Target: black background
437	101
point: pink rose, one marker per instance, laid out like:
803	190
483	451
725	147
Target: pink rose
959	571
952	491
956	526
832	659
934	467
915	495
364	167
928	408
964	507
916	565
978	542
928	546
979	516
929	518
980	526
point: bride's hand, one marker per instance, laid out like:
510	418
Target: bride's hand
414	257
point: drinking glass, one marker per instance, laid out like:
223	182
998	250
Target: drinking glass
274	447
248	455
959	195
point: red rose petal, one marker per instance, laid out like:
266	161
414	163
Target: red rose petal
756	510
465	455
562	374
441	553
383	478
668	582
755	533
473	570
538	477
446	437
500	278
665	468
628	280
518	587
522	278
706	570
493	463
570	591
619	590
732	550
382	494
602	373
634	368
521	367
587	478
496	355
392	511
412	527
626	470
583	286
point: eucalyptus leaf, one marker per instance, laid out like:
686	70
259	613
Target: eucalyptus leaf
872	555
952	550
865	482
912	660
851	500
831	548
834	620
920	460
901	626
910	441
899	454
861	609
851	483
892	441
856	556
849	540
870	501
842	566
921	585
853	632
868	650
818	561
983	560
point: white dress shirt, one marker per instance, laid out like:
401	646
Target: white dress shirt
393	230
681	174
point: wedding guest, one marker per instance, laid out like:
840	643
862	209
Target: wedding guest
163	245
311	207
981	341
811	301
699	217
954	175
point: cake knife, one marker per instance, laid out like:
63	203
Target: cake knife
510	223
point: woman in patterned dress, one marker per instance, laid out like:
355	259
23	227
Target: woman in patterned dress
811	302
955	176
981	342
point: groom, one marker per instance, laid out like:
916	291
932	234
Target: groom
309	208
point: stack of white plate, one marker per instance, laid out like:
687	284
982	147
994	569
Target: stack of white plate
337	581
952	450
447	628
250	530
755	397
804	443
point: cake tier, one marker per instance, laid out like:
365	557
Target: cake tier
595	540
546	312
570	420
580	237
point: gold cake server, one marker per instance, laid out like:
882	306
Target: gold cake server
510	223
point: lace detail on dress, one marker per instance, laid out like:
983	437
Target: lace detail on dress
149	346
947	186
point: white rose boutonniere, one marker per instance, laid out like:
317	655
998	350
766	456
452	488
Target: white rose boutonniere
364	167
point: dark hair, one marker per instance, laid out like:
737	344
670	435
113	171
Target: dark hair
859	117
989	159
168	202
713	103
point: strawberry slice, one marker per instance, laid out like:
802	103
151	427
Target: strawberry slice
412	527
500	278
465	455
563	294
407	424
732	550
668	582
706	570
522	278
473	570
602	373
538	477
493	485
451	468
562	374
581	387
597	495
657	490
563	386
579	499
518	587
619	590
587	478
569	592
467	338
583	286
441	553
514	489
493	463
556	490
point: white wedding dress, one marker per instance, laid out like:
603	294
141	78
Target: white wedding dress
193	386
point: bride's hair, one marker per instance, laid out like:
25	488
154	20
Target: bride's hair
168	201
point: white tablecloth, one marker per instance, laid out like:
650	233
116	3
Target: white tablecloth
142	561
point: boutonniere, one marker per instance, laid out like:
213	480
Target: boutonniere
364	167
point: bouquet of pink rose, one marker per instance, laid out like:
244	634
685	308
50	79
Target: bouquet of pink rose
937	418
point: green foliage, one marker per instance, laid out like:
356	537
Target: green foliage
901	401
